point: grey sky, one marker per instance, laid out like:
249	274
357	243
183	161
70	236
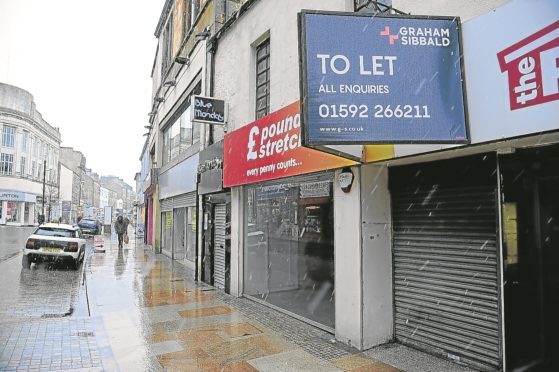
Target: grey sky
88	65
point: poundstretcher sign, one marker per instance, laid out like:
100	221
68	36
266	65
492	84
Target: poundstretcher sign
381	79
270	148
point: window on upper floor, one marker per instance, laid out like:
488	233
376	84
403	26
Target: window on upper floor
6	164
8	136
195	7
24	137
182	133
34	147
166	47
263	79
22	166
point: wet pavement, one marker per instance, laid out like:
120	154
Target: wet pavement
132	310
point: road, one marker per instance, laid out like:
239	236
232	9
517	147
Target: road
46	304
45	291
11	240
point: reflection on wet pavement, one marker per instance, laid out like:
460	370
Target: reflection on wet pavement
137	311
174	323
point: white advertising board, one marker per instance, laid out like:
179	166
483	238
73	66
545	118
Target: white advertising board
107	218
511	59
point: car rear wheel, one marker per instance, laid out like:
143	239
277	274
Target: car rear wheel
25	262
75	264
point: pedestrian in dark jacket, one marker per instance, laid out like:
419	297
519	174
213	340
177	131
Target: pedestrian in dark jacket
120	229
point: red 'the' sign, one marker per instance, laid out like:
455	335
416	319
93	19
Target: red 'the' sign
532	65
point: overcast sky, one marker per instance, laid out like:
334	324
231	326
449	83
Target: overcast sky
87	65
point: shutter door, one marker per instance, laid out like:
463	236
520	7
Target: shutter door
166	205
219	246
445	272
185	200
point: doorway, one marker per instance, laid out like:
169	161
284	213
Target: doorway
531	258
216	260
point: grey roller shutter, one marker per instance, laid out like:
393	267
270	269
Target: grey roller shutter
185	200
446	292
219	246
166	205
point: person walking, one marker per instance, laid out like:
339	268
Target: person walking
120	229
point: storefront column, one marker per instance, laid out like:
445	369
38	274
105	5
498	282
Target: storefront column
31	219
377	256
4	211
21	211
347	262
237	241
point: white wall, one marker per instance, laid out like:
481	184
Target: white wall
21	184
66	177
234	81
184	80
237	238
347	262
236	48
377	256
363	259
463	9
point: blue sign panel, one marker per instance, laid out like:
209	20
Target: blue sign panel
379	79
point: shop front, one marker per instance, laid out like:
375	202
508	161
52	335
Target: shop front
216	223
289	245
287	225
17	208
446	261
178	211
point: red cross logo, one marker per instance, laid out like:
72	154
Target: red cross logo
386	32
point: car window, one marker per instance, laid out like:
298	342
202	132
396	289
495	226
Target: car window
49	231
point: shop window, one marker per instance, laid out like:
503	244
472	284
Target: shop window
191	234
6	164
13	211
167	231
263	79
8	136
289	247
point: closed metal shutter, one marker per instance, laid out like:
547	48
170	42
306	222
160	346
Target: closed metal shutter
166	205
185	200
445	272
219	246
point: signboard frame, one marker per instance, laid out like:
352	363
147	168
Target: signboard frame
212	99
303	81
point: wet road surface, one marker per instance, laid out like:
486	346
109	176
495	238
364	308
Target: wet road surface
131	310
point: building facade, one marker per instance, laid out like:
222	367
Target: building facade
447	247
29	158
